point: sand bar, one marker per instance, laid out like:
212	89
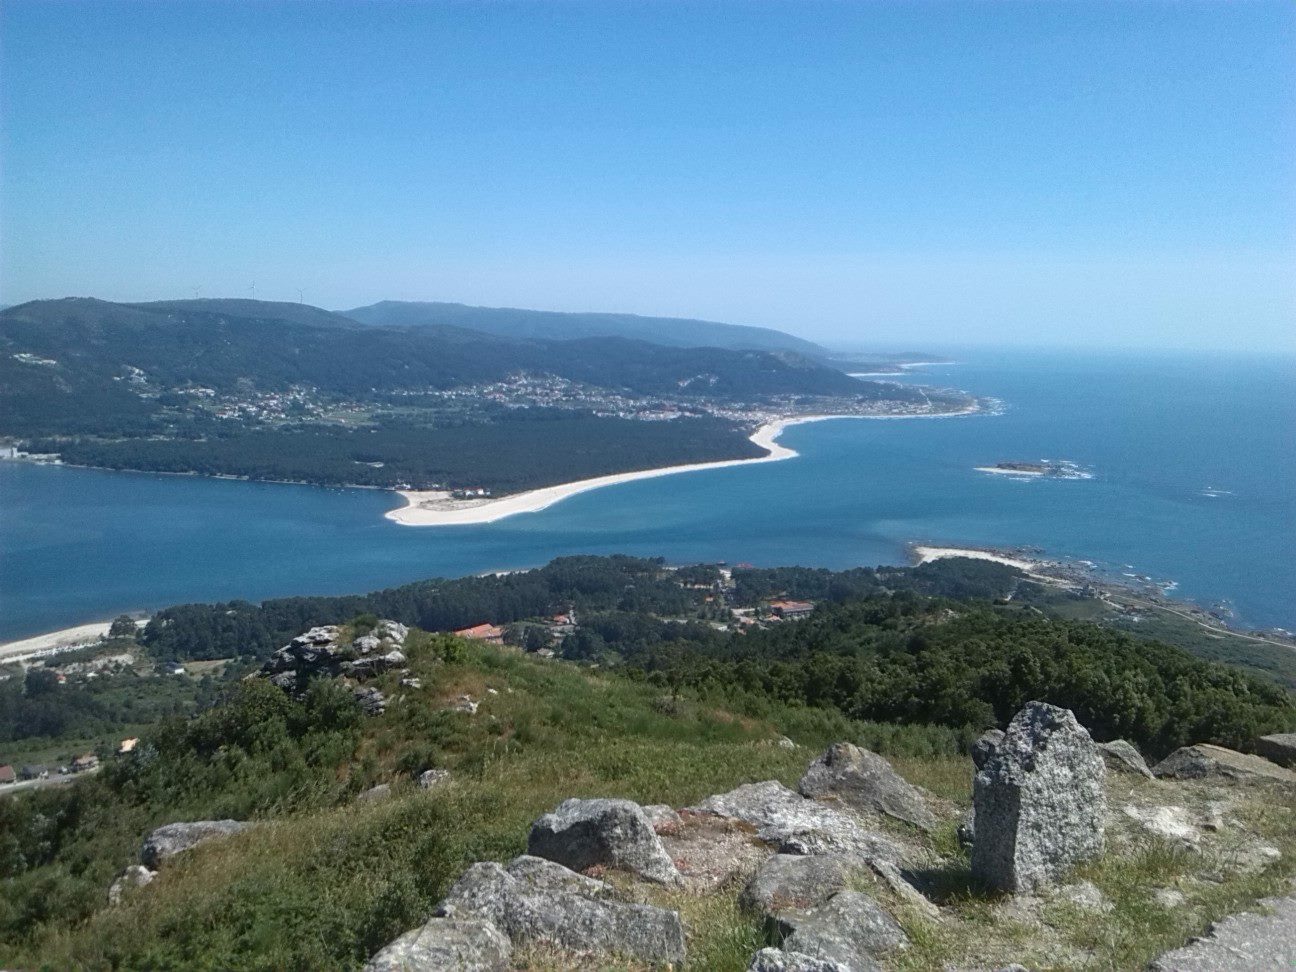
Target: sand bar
437	508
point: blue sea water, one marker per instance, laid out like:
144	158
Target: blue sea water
1194	481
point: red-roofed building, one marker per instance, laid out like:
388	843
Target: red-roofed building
483	632
7	774
788	610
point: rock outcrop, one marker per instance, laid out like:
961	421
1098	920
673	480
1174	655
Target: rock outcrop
610	833
320	652
135	876
175	838
445	943
1121	757
432	778
1279	748
864	780
850	928
538	902
794	824
1215	762
778	960
1250	942
789	882
1040	801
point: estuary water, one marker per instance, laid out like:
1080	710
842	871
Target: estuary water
1193	463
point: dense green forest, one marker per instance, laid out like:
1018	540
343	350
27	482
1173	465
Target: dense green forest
533	448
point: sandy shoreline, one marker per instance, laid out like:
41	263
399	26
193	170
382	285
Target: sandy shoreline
436	508
926	555
82	634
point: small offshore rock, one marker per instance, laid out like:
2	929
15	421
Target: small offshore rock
777	960
467	945
175	838
1122	757
861	778
794	881
1040	801
433	777
850	928
985	746
1279	748
135	876
613	833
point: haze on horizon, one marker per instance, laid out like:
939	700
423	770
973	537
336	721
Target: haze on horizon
882	174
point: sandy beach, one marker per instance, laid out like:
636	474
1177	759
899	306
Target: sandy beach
82	634
928	554
1009	472
436	508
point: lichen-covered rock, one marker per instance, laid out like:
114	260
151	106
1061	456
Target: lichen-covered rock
850	928
794	881
966	829
1122	757
985	746
1259	941
1215	762
1174	824
778	960
534	905
863	779
444	943
1040	801
1279	748
175	838
797	825
611	833
135	876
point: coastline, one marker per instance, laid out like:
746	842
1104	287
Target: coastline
439	508
65	638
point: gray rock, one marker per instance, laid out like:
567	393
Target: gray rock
443	943
1168	898
538	874
370	700
797	825
532	911
612	833
794	881
465	704
906	892
135	876
664	819
1122	757
850	928
863	779
777	960
1040	801
1084	895
432	778
985	746
366	643
375	793
1279	748
1215	762
785	743
1250	942
175	838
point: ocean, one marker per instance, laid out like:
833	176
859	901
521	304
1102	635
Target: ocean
1193	483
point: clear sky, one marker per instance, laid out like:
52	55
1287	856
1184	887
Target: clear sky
862	173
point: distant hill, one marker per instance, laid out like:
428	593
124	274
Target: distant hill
554	325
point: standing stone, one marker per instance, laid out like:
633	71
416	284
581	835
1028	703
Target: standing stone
612	833
1040	801
864	780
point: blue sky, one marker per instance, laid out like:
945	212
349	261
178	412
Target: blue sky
910	174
